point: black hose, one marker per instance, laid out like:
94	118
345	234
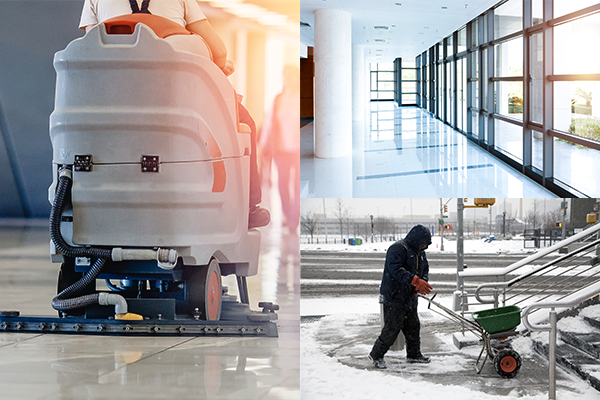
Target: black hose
113	287
64	184
65	300
76	302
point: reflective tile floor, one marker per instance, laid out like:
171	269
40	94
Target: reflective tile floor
53	366
404	152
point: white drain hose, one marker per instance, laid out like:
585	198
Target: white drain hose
166	258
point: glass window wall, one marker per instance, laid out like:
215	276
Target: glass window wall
537	11
509	139
536	91
575	110
462	40
572	51
562	7
509	58
508	18
382	81
574	166
537	148
572	79
509	99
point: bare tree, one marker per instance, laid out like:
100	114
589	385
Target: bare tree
308	223
383	226
341	215
533	215
510	218
551	218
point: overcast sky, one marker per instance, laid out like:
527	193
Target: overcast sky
428	207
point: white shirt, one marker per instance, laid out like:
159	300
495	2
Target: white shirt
184	12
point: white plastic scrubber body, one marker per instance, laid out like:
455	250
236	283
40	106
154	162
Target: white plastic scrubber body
159	157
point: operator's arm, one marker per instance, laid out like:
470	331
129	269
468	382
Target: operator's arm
217	47
394	260
425	269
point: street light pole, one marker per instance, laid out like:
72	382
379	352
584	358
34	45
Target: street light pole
460	250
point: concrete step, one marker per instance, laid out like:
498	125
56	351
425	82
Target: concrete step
574	360
586	342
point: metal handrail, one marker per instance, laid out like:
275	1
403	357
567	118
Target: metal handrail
474	272
544	267
589	292
570	274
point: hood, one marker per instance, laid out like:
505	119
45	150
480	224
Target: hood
418	235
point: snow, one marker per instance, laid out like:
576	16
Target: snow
340	305
516	245
324	376
591	312
574	324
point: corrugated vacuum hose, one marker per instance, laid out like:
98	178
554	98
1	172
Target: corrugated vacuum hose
66	299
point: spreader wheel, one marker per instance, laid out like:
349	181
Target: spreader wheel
507	363
206	291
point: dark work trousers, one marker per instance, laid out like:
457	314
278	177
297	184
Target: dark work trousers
255	190
396	320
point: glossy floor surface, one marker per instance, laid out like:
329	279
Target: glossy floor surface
404	152
54	366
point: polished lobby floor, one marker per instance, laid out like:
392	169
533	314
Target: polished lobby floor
404	152
53	366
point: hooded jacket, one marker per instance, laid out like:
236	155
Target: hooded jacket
402	262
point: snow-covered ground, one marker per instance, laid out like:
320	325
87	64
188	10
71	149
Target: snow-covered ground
336	367
325	373
516	245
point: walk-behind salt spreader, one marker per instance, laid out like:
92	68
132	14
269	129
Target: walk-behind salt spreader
150	190
494	328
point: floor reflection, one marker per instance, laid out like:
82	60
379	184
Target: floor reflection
54	366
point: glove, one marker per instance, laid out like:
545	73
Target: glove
421	286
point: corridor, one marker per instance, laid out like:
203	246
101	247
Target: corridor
405	152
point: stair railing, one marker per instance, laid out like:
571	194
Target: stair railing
572	301
554	280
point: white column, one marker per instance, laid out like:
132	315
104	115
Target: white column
333	83
358	82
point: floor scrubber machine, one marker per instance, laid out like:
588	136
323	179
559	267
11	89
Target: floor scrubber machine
150	189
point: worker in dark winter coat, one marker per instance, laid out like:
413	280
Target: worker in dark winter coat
405	274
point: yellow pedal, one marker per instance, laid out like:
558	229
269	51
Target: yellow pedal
129	317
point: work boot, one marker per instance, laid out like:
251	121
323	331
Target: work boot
420	359
258	217
378	363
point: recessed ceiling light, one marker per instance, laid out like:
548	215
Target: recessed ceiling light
379	40
383	27
398	4
444	8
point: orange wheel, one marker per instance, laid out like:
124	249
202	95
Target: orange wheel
507	363
204	291
213	295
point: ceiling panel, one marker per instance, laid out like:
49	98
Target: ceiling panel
412	25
